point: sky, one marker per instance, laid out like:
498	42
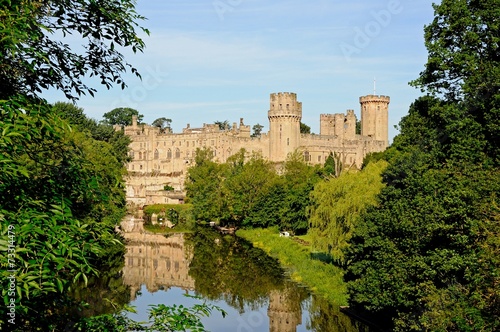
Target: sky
217	60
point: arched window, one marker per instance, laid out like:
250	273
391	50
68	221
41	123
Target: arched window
177	153
169	154
140	155
157	154
131	154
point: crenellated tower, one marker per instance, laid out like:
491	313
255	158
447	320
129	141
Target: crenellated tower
374	117
285	113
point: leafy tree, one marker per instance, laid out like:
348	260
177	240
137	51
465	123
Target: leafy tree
33	61
337	203
462	65
121	116
246	183
257	130
204	187
99	131
426	256
304	129
358	127
162	123
60	189
223	125
299	180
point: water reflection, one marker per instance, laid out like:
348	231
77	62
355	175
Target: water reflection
231	273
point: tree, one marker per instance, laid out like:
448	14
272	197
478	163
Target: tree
121	116
204	187
61	190
257	130
162	123
336	205
304	129
223	125
427	257
32	60
463	63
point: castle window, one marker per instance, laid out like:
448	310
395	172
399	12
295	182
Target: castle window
287	106
140	167
131	154
177	153
319	158
187	143
140	155
280	106
307	156
157	154
280	127
169	154
288	141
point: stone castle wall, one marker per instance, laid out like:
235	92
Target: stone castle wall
162	158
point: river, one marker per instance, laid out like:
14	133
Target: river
226	271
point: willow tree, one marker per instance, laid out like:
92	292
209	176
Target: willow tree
336	204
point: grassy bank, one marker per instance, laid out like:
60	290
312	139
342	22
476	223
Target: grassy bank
322	278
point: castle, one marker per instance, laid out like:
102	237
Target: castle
161	157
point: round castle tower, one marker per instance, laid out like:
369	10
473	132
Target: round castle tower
374	117
285	113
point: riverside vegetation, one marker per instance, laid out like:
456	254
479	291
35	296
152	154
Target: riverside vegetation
414	234
418	231
61	174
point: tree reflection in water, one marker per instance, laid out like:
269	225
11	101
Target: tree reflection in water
227	268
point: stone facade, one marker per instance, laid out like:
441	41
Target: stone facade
162	157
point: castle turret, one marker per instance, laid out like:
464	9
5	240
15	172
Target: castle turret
374	117
284	115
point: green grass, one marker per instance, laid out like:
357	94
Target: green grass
323	279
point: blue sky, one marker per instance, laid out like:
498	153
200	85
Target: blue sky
209	60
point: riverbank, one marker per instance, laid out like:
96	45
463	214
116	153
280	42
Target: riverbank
323	279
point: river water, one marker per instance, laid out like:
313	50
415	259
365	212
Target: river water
226	271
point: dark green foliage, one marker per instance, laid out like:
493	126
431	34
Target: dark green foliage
257	130
162	123
304	129
248	273
32	61
121	116
98	131
427	257
246	191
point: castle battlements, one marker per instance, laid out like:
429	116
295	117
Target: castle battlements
374	98
161	157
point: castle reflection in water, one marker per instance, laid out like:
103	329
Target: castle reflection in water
161	262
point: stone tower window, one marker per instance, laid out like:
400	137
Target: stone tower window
140	155
287	106
157	154
288	141
281	106
169	154
177	153
307	157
